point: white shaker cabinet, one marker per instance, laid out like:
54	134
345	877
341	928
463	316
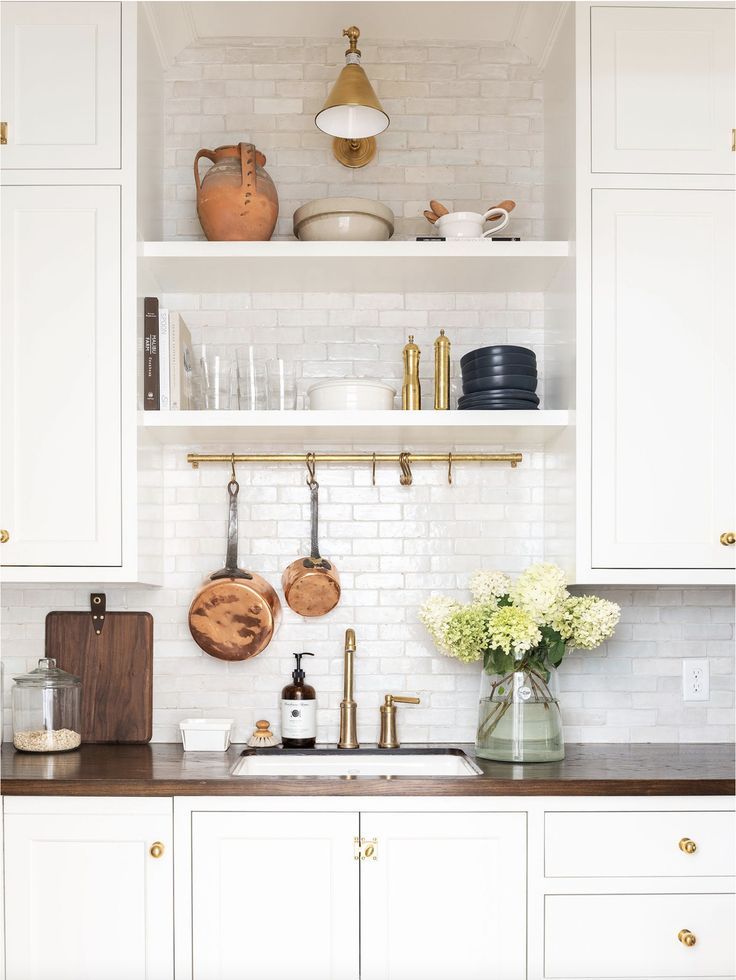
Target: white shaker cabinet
445	896
662	90
274	895
61	376
60	85
86	897
662	392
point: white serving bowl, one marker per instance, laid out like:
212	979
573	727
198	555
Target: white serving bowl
343	219
349	395
206	734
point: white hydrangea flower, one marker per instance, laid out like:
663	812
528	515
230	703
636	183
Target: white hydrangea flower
540	591
513	630
487	586
589	620
435	614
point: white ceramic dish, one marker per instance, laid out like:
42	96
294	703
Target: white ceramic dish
350	395
343	219
206	734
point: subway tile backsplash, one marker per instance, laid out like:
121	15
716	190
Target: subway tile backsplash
393	546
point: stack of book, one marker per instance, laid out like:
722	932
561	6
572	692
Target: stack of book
167	359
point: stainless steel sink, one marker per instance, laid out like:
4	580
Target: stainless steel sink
359	762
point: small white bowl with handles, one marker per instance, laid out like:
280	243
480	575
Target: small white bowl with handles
469	224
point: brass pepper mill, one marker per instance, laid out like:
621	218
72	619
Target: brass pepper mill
441	372
411	391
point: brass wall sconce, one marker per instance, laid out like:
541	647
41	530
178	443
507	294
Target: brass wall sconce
352	112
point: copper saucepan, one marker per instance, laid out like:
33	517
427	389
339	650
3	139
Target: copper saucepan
235	614
311	585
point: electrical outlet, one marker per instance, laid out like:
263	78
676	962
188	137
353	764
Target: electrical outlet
695	680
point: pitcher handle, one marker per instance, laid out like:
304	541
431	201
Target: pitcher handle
495	213
202	153
248	169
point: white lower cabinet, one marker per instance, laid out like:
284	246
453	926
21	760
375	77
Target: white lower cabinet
371	888
85	897
440	885
590	936
274	896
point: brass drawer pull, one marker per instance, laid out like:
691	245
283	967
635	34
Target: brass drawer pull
157	849
4	536
728	537
3	134
686	937
688	846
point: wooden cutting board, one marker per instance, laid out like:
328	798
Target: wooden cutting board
115	665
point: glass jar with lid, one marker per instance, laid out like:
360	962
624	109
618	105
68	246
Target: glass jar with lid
47	709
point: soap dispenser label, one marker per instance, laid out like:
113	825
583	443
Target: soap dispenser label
298	719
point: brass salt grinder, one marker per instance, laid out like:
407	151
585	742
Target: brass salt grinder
441	372
411	391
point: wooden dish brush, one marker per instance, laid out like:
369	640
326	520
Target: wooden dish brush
262	737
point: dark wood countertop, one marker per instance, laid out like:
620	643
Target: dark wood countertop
164	769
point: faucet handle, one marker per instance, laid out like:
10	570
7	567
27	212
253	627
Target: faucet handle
388	738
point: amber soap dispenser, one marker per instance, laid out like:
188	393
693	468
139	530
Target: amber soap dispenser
299	710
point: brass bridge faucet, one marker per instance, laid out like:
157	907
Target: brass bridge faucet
348	729
388	738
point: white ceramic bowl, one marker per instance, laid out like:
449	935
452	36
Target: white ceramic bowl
358	394
206	734
343	219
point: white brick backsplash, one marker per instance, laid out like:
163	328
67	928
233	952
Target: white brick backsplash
393	546
465	125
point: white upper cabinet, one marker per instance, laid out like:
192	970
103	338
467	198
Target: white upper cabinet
60	344
60	85
445	896
86	899
662	341
662	90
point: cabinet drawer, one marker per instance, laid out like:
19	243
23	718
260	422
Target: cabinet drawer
590	936
635	845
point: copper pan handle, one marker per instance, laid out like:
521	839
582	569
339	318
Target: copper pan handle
314	510
231	569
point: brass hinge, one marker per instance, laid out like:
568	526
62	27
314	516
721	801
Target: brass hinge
3	134
365	848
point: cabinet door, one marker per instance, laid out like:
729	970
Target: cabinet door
274	895
445	896
85	900
662	445
662	95
60	85
60	342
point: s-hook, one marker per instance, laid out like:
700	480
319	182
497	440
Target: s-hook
406	478
311	462
233	486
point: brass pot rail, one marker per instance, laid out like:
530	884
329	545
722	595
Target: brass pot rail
404	459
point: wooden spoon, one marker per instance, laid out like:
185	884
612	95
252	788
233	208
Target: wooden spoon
439	209
506	205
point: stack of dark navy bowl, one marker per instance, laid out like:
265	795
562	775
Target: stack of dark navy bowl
499	377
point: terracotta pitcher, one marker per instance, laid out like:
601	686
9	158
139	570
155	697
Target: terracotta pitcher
236	199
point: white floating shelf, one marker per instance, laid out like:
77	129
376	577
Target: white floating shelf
311	430
474	266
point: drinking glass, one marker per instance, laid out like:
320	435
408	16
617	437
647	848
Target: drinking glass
251	380
217	374
282	377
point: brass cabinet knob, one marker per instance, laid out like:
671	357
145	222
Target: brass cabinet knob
688	846
157	849
728	537
4	536
686	937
